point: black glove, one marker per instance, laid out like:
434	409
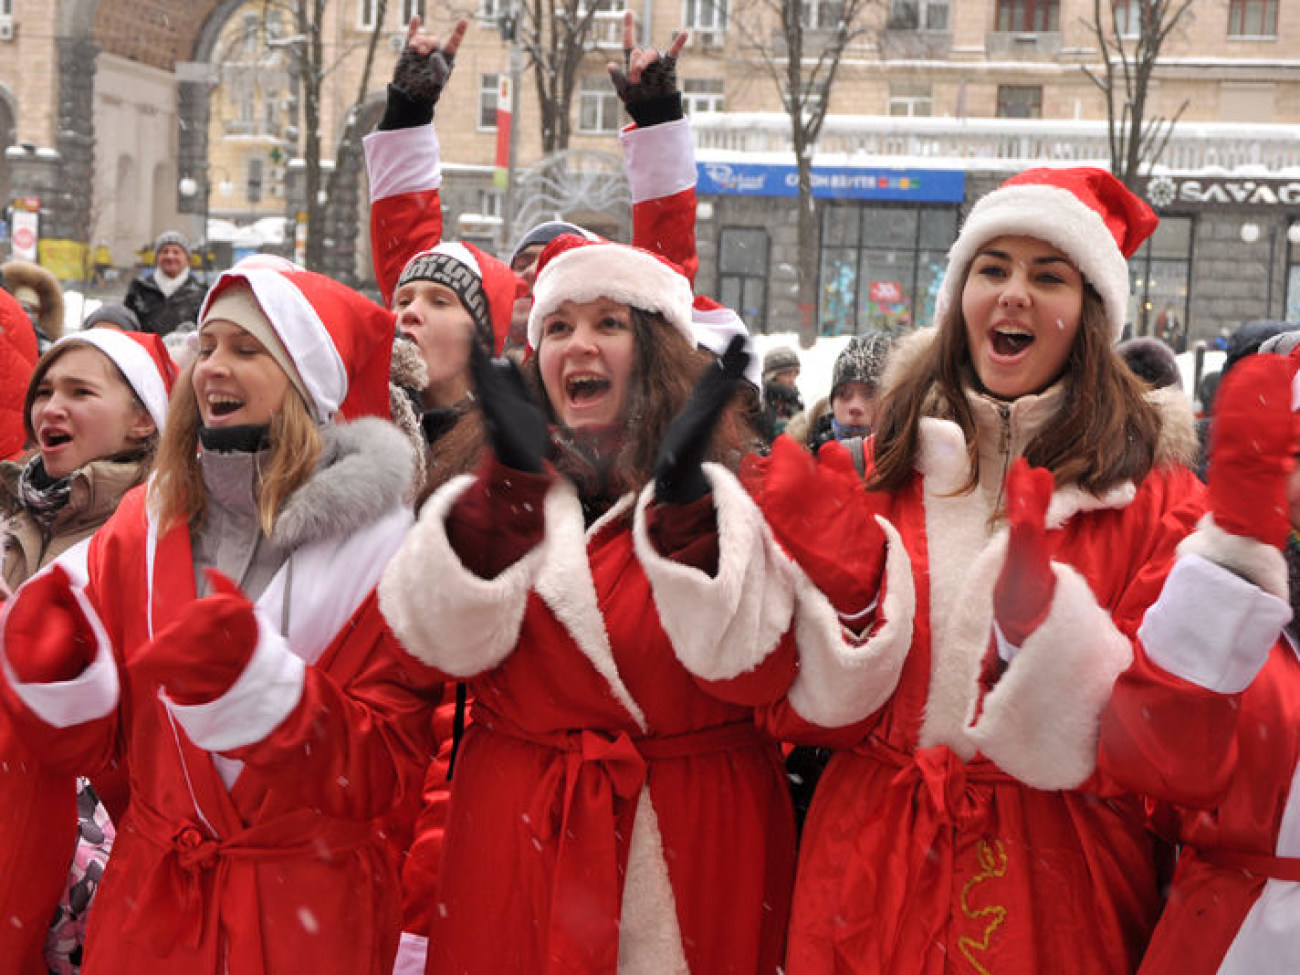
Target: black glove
679	478
418	80
515	424
653	99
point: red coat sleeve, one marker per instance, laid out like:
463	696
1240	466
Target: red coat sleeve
660	164
405	205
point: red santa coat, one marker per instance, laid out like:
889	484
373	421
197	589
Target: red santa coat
962	829
285	870
1217	749
613	806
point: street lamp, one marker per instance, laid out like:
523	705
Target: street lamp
191	188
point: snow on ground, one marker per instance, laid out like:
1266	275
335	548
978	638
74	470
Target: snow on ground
76	307
815	364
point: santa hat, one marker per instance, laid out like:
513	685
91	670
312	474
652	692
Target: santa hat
715	325
340	342
142	359
485	286
581	270
1086	213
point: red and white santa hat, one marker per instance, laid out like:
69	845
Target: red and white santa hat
339	342
715	325
141	357
577	269
486	286
1088	214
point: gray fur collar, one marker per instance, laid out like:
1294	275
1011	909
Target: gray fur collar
365	470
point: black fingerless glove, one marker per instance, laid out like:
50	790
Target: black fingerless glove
654	99
418	80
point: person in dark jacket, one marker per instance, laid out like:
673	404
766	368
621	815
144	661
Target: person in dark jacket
781	399
850	409
167	298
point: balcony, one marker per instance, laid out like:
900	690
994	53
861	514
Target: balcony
994	143
1013	45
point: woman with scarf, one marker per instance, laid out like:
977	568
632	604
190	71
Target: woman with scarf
228	648
618	610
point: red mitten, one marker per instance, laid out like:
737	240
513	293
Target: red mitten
200	656
47	635
824	517
1253	442
1023	593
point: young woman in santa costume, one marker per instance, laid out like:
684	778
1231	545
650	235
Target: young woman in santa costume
1207	720
962	623
228	647
618	611
94	407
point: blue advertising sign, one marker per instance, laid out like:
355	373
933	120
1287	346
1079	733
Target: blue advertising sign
832	182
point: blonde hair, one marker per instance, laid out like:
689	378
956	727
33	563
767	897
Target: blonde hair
178	491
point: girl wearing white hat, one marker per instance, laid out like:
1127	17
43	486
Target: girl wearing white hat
228	648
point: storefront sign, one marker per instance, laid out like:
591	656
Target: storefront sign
831	182
886	292
25	234
1221	191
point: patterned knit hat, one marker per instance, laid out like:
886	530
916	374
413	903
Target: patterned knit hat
485	286
777	360
1088	214
171	237
861	361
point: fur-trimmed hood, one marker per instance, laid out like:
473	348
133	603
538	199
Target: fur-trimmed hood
1176	444
365	470
23	274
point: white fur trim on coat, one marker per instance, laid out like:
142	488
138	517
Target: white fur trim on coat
402	161
267	691
616	272
444	614
1212	627
412	952
92	694
650	939
1051	214
659	160
842	680
724	625
1040	723
1253	560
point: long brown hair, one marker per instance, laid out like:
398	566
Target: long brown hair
178	490
1104	433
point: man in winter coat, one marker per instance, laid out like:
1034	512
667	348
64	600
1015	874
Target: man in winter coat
168	297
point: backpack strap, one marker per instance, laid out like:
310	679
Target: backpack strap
854	446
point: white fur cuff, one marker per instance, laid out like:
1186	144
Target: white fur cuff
412	950
1254	560
402	161
1040	723
92	694
1212	627
659	160
839	681
263	696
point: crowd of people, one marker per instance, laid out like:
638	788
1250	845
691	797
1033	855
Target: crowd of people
528	623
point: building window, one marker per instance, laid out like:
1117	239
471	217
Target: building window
1252	18
918	15
1029	16
911	98
599	111
821	14
487	102
253	186
367	12
701	95
1160	276
743	273
1128	17
489	11
1020	101
881	265
705	16
412	8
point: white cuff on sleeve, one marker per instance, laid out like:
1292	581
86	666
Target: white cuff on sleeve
1212	627
402	161
264	694
411	952
660	160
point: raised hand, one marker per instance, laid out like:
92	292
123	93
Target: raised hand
1253	443
423	68
824	517
647	82
516	426
200	655
679	478
1024	590
47	635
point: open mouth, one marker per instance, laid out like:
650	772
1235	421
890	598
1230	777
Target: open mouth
1008	342
54	438
220	405
585	388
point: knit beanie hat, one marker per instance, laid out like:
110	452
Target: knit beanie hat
582	269
1151	361
1086	213
112	316
546	232
485	286
778	360
142	359
715	325
338	342
171	237
861	361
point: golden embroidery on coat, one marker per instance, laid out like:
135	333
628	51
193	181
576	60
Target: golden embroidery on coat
993	863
